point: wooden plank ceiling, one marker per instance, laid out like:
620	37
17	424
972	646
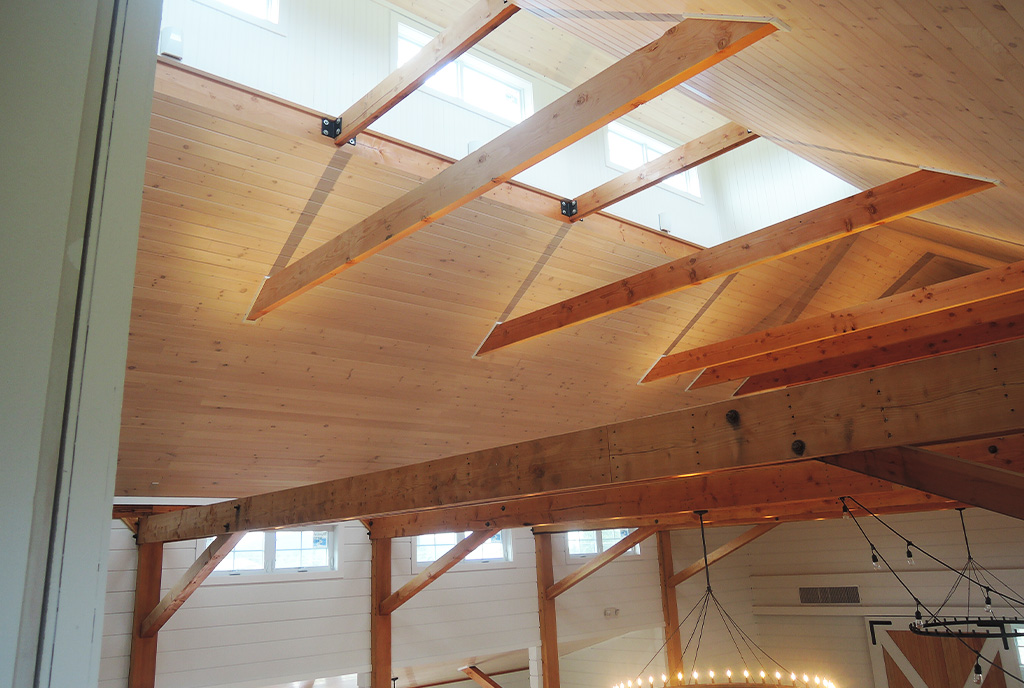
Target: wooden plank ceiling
373	369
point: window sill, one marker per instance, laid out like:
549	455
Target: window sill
259	578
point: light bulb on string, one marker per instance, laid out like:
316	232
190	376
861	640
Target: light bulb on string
918	621
977	673
874	559
910	554
988	601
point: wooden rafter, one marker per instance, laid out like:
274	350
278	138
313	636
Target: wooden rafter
972	336
890	407
189	582
479	677
478	21
915	192
720	553
601	560
979	323
989	284
685	157
977	484
684	51
436	569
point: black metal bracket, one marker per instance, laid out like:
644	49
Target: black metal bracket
568	207
331	128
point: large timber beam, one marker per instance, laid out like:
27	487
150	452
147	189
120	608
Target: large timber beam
720	553
685	157
436	569
601	560
142	662
955	293
942	399
915	192
970	482
190	582
478	21
684	51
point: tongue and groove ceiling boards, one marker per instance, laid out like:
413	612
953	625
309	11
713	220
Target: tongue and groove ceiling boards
374	368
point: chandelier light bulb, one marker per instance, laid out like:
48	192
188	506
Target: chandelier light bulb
680	676
762	675
695	676
728	674
664	679
630	683
711	675
806	679
778	677
817	681
746	674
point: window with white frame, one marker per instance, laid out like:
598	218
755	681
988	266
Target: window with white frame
628	149
280	551
429	548
583	543
264	10
478	83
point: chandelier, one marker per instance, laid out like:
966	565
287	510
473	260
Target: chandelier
753	667
973	576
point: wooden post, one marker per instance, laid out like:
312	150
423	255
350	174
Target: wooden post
546	608
669	608
142	666
380	623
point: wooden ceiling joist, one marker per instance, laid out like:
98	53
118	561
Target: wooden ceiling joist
978	323
720	553
685	157
981	390
189	582
970	482
962	291
913	193
972	336
478	21
599	561
685	50
436	569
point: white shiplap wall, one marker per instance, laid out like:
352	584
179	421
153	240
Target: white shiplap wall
327	54
760	184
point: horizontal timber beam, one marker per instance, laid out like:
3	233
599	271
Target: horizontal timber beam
601	560
720	553
478	21
977	484
981	390
682	52
988	284
761	485
189	582
685	157
980	323
436	569
981	334
915	192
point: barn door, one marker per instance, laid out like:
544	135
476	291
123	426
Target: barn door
901	659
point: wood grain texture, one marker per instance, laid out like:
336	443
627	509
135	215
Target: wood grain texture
682	52
988	487
669	608
142	663
479	677
380	622
981	390
685	157
546	611
478	21
951	329
989	284
912	193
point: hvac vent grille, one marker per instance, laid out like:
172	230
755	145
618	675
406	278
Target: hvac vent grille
839	595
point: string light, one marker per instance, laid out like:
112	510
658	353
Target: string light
910	555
